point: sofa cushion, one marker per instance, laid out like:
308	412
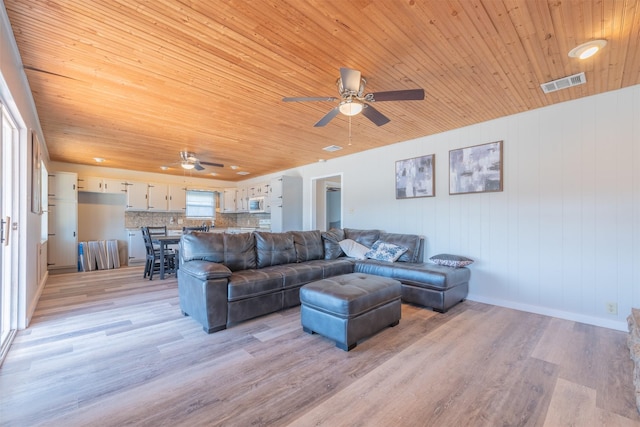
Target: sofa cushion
383	251
205	270
274	248
252	283
354	249
412	242
455	261
308	245
333	267
422	274
239	251
202	246
364	237
331	241
297	274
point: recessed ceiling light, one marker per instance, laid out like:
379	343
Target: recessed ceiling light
234	167
321	160
243	173
98	159
588	49
213	174
164	168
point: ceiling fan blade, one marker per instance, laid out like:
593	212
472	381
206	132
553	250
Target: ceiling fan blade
374	115
350	79
308	98
327	118
397	95
197	166
218	165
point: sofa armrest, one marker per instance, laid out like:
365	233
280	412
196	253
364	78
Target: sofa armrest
205	270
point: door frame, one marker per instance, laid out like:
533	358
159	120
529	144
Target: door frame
9	207
318	200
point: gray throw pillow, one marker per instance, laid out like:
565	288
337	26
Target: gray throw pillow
331	241
448	260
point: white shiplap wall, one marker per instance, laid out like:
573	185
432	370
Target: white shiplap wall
563	238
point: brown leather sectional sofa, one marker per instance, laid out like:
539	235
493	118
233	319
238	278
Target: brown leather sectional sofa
228	278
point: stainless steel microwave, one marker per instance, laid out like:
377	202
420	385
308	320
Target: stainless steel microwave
257	204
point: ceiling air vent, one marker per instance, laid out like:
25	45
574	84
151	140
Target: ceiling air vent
563	83
332	148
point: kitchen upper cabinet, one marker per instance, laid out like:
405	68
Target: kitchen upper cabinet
242	200
228	200
94	184
286	204
265	189
157	197
260	189
63	186
136	195
113	186
176	198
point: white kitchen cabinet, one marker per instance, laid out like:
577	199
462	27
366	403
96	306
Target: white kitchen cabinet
137	251
228	199
157	197
242	199
176	198
62	245
136	195
112	186
286	204
265	189
94	184
63	186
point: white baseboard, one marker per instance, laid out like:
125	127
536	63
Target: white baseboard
34	302
576	317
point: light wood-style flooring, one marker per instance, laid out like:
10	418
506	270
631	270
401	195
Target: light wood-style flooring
109	348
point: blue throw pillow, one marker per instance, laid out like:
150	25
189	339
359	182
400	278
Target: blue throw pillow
383	251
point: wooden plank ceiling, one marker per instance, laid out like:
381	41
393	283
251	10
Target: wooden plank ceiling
136	82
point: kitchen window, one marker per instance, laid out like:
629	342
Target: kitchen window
201	204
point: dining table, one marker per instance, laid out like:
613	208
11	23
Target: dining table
163	243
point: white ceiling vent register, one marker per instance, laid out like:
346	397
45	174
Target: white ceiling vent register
563	83
331	148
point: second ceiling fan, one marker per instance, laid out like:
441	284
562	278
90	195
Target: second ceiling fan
353	100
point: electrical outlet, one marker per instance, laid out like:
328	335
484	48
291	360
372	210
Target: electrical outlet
612	308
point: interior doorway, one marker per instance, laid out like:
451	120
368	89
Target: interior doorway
326	210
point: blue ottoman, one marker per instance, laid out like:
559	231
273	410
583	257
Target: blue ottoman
350	307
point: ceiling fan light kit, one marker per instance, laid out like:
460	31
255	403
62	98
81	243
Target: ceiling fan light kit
588	49
350	107
353	100
190	161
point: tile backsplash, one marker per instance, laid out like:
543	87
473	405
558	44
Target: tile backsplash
137	219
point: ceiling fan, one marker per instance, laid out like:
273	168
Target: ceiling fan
353	100
190	161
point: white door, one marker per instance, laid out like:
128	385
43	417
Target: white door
8	243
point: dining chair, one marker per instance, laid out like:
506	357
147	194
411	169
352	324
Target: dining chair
152	263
